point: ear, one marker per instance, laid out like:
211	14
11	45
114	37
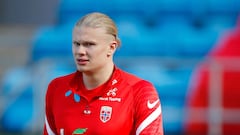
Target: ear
112	48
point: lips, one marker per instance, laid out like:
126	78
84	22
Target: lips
82	61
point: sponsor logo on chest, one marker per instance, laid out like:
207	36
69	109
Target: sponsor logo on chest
111	95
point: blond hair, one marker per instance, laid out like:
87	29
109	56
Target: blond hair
100	20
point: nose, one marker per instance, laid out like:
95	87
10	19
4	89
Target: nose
80	50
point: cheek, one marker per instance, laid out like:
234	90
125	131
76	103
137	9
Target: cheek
98	55
73	49
104	53
100	52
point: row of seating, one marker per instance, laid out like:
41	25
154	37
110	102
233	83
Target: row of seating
154	34
75	8
175	36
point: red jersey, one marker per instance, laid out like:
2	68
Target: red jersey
124	105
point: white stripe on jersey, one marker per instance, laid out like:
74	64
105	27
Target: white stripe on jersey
61	131
149	120
49	130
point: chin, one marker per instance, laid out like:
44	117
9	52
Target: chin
82	69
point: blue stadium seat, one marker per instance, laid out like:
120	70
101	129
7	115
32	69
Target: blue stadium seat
130	29
71	9
221	22
56	68
197	43
174	6
138	39
171	28
19	114
224	6
53	42
15	79
17	99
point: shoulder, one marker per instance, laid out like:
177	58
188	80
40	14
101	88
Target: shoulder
62	79
135	81
140	88
59	83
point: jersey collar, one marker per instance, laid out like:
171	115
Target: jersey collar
76	85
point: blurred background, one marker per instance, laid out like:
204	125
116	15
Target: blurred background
181	46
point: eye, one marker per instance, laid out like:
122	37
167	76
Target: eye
76	43
88	44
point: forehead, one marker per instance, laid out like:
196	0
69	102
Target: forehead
88	30
90	34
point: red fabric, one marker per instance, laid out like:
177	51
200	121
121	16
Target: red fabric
128	106
228	47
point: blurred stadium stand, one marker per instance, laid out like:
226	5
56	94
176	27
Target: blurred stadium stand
162	41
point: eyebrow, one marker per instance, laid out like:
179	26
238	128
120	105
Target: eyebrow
84	41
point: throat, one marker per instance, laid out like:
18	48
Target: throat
92	81
92	85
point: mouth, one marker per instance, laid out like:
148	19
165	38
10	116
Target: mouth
82	61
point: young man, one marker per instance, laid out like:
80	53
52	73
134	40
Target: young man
99	98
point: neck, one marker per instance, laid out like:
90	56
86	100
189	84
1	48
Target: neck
97	78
